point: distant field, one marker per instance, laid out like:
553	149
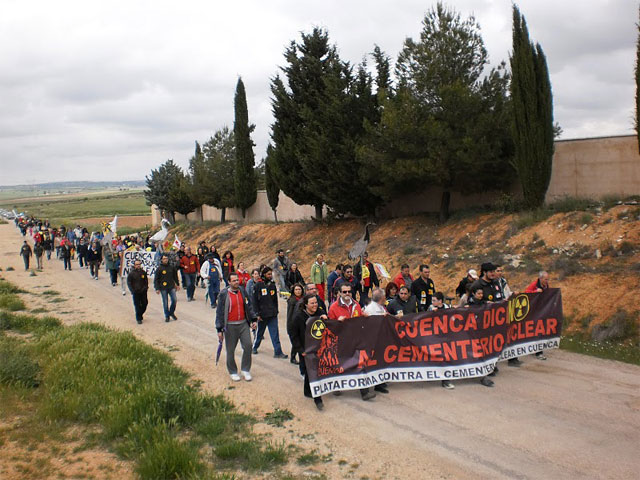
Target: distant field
79	206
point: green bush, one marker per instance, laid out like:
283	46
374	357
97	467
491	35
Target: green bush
16	365
531	218
570	204
11	302
27	323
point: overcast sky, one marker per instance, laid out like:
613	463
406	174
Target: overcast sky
110	90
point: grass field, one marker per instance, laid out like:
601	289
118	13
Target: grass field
57	380
82	206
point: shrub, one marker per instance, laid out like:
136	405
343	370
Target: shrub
570	204
27	323
16	365
585	219
626	248
566	267
621	325
530	218
11	302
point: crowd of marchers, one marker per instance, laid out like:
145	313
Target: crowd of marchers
246	302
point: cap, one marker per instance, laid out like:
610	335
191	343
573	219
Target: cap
487	267
473	274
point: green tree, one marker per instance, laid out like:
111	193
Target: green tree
245	179
197	170
306	64
273	191
447	122
533	129
218	173
181	196
319	120
161	181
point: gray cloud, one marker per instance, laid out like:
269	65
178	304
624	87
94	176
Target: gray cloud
92	91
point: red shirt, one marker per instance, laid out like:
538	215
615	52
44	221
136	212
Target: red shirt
533	288
236	314
338	309
399	280
243	277
190	263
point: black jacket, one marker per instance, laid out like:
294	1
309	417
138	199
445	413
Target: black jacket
292	308
423	292
265	299
291	278
410	306
298	329
490	290
462	286
166	277
94	255
373	277
138	281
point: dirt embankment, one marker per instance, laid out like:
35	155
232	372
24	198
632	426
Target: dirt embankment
593	257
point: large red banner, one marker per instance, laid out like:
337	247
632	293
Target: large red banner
448	344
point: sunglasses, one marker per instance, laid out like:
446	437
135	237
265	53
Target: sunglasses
345	291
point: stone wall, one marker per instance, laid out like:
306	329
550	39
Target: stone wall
588	168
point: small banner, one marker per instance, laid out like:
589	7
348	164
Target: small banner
147	259
448	344
381	271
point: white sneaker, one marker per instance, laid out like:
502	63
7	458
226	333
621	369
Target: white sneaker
247	376
235	377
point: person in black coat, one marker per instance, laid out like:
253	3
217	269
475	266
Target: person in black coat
308	308
404	302
293	276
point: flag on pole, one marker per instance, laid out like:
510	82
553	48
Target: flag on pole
114	224
176	242
381	270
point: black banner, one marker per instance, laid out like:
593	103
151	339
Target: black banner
448	344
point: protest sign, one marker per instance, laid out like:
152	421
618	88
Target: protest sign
447	344
147	259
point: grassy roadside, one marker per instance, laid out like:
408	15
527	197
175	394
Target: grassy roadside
130	398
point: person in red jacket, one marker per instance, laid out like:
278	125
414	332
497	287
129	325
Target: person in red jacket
404	277
346	307
190	266
243	275
538	286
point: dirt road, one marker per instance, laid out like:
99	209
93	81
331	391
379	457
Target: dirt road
572	416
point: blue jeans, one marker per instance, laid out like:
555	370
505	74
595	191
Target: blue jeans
272	323
190	284
165	294
214	290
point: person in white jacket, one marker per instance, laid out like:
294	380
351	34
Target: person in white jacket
211	272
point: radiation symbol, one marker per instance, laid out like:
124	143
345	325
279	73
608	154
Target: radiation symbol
521	307
317	328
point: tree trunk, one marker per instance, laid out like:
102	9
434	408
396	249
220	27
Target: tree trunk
275	215
318	212
444	205
223	214
202	213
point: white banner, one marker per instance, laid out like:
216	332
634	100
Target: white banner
147	259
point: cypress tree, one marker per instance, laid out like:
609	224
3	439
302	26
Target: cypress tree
532	114
245	179
197	170
273	190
